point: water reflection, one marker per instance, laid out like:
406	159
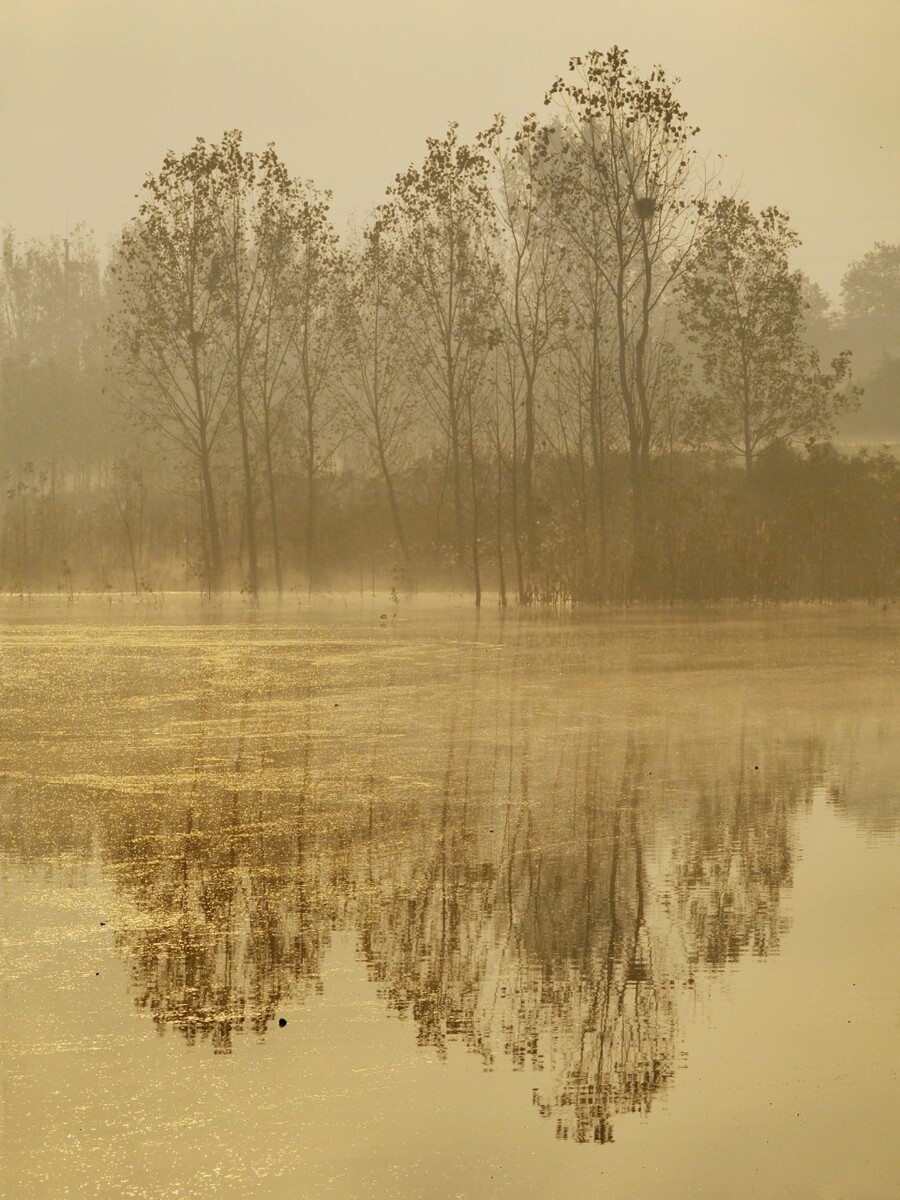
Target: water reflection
535	872
732	864
227	903
541	927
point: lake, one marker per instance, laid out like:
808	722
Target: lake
392	900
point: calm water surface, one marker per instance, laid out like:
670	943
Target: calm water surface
313	903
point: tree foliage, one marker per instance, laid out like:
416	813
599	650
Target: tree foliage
544	348
743	310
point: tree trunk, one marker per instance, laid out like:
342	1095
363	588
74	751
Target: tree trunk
528	477
249	507
214	580
517	540
598	445
500	568
476	562
392	501
456	464
273	507
310	501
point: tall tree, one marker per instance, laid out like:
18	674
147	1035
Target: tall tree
743	309
317	273
528	284
277	223
437	212
171	341
377	369
627	174
233	174
259	210
588	410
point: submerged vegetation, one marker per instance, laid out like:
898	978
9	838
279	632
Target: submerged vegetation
554	363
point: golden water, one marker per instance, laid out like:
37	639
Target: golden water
548	906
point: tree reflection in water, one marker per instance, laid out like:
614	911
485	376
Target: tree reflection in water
229	911
541	890
530	927
736	857
534	932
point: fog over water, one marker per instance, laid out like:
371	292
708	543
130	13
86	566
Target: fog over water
400	901
560	353
448	600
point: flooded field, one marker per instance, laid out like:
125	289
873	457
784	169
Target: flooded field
303	903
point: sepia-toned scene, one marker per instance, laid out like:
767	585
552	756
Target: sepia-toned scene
449	699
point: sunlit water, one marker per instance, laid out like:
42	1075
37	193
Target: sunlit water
323	903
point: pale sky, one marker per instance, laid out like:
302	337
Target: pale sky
802	97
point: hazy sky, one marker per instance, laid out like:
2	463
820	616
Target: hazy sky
802	97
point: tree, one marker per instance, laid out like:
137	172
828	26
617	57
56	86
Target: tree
52	313
870	292
259	212
239	268
528	290
742	307
171	341
278	220
378	380
626	173
437	212
880	422
317	273
871	286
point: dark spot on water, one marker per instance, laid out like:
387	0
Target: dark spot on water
282	1021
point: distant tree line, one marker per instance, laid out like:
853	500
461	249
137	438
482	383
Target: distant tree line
554	363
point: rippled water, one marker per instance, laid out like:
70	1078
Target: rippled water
322	903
